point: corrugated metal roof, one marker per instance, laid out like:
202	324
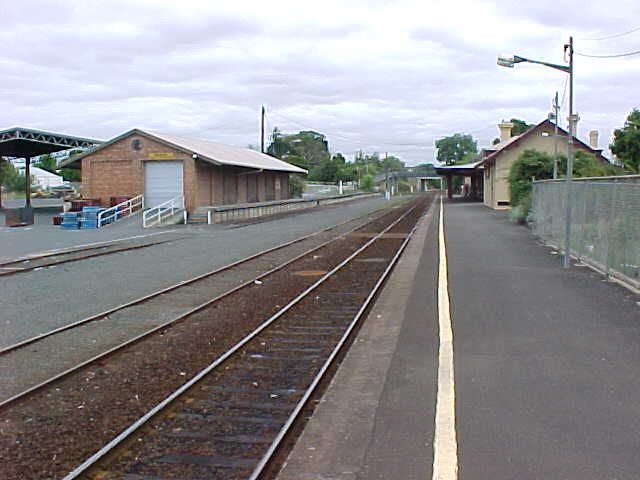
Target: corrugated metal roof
214	152
461	166
228	155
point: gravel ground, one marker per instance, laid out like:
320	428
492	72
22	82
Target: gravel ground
29	366
46	435
40	300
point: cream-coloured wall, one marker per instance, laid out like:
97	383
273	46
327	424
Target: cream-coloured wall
500	170
488	186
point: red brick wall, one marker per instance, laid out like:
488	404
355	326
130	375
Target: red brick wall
118	169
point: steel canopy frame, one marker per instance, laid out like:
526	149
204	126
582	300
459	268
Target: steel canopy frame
26	143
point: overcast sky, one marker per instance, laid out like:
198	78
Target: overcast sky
375	75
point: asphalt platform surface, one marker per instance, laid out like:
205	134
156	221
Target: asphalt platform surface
39	300
547	363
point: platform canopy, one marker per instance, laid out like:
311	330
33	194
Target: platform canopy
474	170
26	143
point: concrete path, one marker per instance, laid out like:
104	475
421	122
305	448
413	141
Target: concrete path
546	361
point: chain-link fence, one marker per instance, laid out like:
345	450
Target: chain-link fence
605	223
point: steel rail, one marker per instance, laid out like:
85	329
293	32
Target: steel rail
182	316
302	403
125	434
101	315
94	252
77	248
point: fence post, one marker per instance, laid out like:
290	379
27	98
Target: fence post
612	212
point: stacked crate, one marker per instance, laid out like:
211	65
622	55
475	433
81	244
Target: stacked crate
70	220
89	217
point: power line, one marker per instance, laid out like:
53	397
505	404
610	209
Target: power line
628	54
616	35
564	92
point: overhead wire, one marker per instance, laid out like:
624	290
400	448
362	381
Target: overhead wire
616	35
617	55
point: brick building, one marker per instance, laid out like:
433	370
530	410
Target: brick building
162	167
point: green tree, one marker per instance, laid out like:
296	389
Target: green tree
47	162
70	174
626	142
312	147
367	164
12	180
327	171
457	148
366	183
391	163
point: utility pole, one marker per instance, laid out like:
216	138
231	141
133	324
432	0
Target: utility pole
262	130
569	178
556	116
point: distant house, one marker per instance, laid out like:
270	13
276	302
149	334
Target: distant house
166	167
497	160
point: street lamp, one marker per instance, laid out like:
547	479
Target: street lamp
509	62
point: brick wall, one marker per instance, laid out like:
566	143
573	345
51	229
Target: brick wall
118	169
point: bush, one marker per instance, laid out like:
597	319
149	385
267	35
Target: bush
531	164
520	213
366	183
296	185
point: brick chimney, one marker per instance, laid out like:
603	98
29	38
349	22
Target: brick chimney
505	131
593	139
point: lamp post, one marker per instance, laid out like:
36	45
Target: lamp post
509	62
555	117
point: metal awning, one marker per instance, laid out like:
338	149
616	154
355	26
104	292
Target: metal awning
26	143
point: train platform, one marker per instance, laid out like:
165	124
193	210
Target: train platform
537	379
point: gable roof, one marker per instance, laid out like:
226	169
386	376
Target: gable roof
212	152
512	142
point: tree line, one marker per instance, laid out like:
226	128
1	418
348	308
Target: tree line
310	150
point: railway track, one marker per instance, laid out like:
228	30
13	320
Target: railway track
45	260
166	307
57	425
228	423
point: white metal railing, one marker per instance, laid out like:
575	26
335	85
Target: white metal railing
157	214
121	210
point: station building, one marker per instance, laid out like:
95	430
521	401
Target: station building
488	176
162	167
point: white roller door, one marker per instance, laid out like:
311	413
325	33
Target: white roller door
162	182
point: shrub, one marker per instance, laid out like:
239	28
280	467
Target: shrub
296	185
366	183
531	164
520	213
